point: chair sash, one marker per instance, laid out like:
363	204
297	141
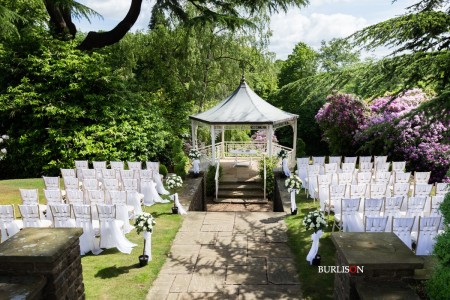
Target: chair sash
83	219
375	224
402	227
428	229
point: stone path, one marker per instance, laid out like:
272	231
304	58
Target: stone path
229	255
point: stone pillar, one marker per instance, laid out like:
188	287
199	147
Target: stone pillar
53	253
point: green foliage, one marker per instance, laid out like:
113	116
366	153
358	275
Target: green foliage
437	286
271	163
211	179
336	55
177	158
163	170
300	64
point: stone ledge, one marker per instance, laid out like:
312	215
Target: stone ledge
385	290
192	195
21	287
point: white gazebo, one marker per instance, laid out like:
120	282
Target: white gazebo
244	109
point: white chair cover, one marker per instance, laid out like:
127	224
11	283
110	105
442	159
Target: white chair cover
372	207
402	177
83	219
318	160
29	196
336	193
364	177
398	166
31	217
196	166
81	164
435	204
151	196
392	207
109	174
117	165
159	185
428	230
181	210
134	165
119	199
335	159
75	197
379	159
130	184
315	246
442	188
378	190
71	183
68	173
61	216
284	165
382	166
110	234
375	224
9	226
350	159
351	221
402	227
89	174
348	168
51	183
323	194
357	190
422	189
365	159
127	174
134	199
365	167
421	177
302	171
331	168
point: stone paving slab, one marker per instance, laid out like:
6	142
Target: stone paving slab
232	255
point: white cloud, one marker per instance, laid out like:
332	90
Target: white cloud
293	27
322	2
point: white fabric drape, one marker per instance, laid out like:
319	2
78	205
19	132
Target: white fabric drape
159	185
402	228
148	244
88	242
196	166
181	210
315	246
134	199
284	164
293	204
122	214
112	237
427	234
11	227
151	196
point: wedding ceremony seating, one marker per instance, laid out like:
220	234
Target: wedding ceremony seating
51	183
31	216
9	226
375	224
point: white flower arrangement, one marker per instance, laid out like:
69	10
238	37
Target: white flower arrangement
3	151
293	183
315	220
194	154
283	154
144	222
174	181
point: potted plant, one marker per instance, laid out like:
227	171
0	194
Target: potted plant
174	182
294	184
144	223
195	155
315	220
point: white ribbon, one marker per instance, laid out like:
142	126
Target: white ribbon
196	166
159	185
181	210
293	204
148	244
285	167
315	246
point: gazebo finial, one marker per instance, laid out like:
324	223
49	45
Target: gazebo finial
243	78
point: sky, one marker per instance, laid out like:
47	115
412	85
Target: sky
320	20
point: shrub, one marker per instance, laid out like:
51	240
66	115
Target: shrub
163	170
271	163
211	179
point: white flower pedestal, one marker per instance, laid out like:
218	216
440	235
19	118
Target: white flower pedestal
148	244
284	166
293	204
196	166
315	246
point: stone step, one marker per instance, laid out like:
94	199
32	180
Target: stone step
241	200
241	194
240	186
247	182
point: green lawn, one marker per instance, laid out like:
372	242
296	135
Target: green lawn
314	285
112	274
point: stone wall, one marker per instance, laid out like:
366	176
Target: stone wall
52	253
193	194
281	197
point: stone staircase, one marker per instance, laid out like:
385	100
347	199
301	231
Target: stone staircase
241	192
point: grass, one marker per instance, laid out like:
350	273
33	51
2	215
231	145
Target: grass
314	285
112	274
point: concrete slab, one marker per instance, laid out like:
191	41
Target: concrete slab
282	271
253	273
269	249
208	278
195	238
217	227
161	287
270	292
181	283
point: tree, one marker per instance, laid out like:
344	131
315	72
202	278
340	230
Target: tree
301	63
336	55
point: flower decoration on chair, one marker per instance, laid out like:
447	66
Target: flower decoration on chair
144	223
315	220
3	151
293	183
194	154
283	154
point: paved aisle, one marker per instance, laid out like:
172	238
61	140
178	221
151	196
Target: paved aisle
229	255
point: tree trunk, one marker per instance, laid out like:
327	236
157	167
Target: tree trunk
60	20
102	39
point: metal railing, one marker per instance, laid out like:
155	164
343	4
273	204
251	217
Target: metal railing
265	176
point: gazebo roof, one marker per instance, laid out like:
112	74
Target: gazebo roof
243	106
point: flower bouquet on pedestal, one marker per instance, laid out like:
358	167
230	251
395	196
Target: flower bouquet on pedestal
283	154
3	151
195	155
144	223
174	182
293	184
315	220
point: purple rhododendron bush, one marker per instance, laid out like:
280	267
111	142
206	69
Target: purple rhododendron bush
387	126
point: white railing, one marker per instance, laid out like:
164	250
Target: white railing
265	176
216	178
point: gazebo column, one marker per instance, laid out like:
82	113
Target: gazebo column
194	127
222	147
294	142
213	145
269	139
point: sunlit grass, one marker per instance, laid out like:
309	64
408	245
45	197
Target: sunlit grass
314	285
112	274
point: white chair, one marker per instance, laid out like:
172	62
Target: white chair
318	160
350	159
90	184
415	207
134	165
428	230
357	190
365	167
401	189
31	216
124	212
96	197
99	165
345	178
350	220
152	165
83	219
421	177
110	184
302	168
75	197
303	160
61	215
402	227
51	183
52	197
81	164
312	171
348	168
335	159
435	204
365	159
323	181
312	186
422	189
402	177
335	194
130	185
364	177
398	166
377	190
68	173
375	224
379	159
392	207
382	166
331	168
29	196
117	165
127	174
372	207
382	177
9	226
89	174
71	183
134	199
151	196
109	174
110	234
442	188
